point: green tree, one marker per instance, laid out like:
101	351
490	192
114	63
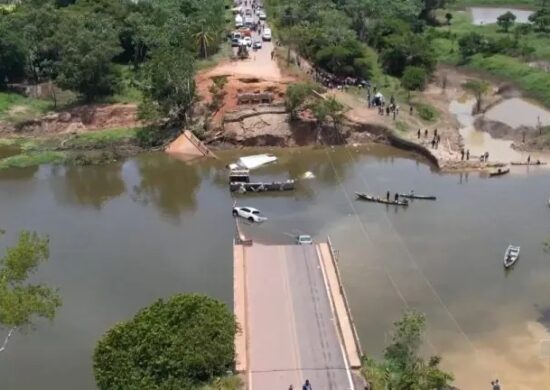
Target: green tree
203	40
478	88
20	301
449	17
12	55
168	85
402	367
506	20
295	96
541	19
88	45
414	79
182	343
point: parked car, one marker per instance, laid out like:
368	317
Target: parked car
247	41
249	213
266	36
236	42
304	239
262	15
257	44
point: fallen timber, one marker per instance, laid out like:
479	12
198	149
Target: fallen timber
243	187
376	199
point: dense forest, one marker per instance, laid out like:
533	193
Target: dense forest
101	48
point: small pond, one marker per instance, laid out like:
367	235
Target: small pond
488	15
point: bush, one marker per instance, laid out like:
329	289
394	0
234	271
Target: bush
182	343
296	95
427	112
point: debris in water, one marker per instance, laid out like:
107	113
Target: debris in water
308	175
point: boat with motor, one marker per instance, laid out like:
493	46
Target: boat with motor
511	256
412	195
377	199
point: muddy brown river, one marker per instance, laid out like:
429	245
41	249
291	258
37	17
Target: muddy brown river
126	234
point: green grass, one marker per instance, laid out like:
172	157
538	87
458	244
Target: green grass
533	81
226	383
32	158
15	107
100	138
224	52
427	112
401	126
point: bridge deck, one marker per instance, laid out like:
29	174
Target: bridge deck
291	330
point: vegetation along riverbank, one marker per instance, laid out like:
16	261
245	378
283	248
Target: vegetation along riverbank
144	72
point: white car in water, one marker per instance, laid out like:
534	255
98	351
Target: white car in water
249	213
304	239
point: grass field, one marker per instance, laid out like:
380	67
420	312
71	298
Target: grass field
15	107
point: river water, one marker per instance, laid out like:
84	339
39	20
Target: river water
489	15
126	234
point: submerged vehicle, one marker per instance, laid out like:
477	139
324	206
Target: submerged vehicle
249	213
251	162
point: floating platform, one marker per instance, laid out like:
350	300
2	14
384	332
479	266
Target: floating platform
243	187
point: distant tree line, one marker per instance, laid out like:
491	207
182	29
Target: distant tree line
92	47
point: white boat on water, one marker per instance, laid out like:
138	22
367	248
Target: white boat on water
252	162
511	255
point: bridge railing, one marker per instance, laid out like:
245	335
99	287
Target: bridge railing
334	257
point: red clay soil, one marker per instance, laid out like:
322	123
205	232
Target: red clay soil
82	118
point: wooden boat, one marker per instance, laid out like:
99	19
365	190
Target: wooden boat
511	256
414	196
499	172
376	199
528	163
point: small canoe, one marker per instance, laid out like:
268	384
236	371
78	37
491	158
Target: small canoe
414	196
532	163
511	256
499	172
376	199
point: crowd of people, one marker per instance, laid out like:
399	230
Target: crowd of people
332	81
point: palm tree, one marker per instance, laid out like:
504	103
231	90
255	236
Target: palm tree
203	39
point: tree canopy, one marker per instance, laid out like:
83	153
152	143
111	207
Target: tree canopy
402	367
21	301
506	20
181	343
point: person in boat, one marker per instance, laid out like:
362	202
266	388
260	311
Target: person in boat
396	197
387	195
